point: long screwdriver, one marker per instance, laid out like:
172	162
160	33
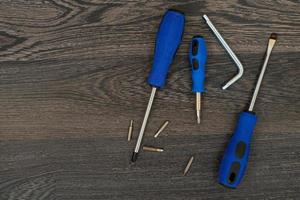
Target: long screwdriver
168	39
198	57
235	159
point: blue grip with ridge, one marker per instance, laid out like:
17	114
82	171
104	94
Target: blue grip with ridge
198	57
168	40
235	159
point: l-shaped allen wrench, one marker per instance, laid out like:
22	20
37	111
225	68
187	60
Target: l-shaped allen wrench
230	52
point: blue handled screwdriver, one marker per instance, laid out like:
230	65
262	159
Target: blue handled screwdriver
168	39
235	159
198	57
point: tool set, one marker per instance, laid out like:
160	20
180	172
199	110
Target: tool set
234	162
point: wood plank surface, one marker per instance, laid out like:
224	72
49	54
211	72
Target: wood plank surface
73	74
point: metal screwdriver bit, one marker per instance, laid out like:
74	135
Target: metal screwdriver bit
154	149
130	129
198	107
188	166
162	127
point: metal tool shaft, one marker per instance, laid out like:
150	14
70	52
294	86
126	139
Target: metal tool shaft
230	52
198	106
141	134
261	75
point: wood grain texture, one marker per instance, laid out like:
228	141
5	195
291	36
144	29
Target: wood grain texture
72	75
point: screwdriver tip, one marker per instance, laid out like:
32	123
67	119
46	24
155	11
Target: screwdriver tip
134	157
198	117
188	166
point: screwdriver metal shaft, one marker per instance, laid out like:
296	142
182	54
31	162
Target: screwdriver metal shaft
142	131
263	69
198	106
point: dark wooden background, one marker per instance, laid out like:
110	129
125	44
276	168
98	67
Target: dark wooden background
73	73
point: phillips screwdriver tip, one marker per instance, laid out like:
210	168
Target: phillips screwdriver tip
134	157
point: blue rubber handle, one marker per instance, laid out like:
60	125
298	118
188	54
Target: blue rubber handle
168	40
198	57
236	155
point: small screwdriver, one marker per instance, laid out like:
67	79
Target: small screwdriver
198	57
168	39
235	159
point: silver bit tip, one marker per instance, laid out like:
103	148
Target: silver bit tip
154	149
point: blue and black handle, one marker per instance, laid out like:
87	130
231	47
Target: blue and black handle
235	159
198	57
168	39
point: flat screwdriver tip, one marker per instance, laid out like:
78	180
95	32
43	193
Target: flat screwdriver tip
198	117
